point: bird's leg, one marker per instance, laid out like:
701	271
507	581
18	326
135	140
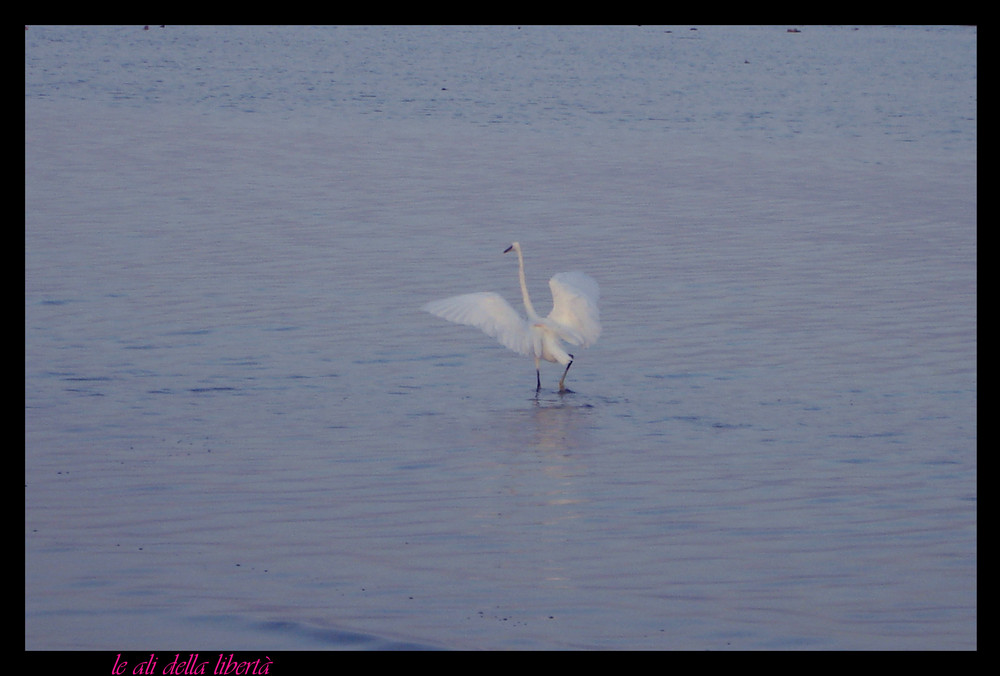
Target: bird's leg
562	381
538	381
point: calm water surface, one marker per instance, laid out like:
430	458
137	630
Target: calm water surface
240	430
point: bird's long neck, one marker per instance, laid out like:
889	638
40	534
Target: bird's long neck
528	307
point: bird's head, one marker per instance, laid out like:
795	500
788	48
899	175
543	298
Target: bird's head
512	247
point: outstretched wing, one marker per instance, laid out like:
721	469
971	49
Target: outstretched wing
574	306
489	312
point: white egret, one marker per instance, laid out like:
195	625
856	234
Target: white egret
574	318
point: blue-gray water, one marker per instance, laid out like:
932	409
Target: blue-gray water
241	431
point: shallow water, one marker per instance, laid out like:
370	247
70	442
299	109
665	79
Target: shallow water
240	430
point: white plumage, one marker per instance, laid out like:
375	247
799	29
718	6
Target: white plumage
574	318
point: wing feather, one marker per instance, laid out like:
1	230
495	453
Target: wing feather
574	306
488	312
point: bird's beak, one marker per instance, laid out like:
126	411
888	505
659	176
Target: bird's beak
508	248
